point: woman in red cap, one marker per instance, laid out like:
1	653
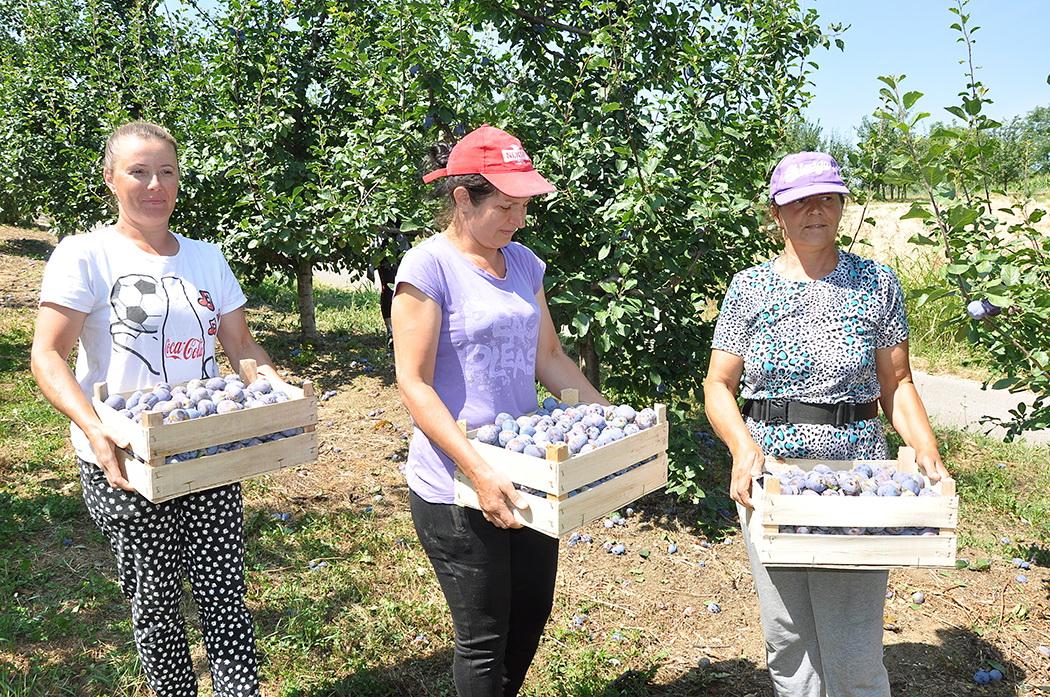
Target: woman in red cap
819	338
472	335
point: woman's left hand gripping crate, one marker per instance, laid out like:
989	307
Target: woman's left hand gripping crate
165	460
565	492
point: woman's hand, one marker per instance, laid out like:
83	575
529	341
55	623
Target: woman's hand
496	495
929	461
104	441
747	462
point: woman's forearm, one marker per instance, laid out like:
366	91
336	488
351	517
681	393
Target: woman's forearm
908	417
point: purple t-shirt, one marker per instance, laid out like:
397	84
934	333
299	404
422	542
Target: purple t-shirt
486	353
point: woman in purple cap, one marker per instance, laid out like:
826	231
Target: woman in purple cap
472	335
820	338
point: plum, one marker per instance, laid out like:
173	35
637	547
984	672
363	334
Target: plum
625	412
505	437
981	677
614	433
235	393
533	450
488	434
260	386
815	481
550	403
631	429
227	406
576	443
501	417
918	597
133	400
177	415
556	435
510	425
162	395
975	308
995	675
889	489
216	384
206	407
116	402
515	444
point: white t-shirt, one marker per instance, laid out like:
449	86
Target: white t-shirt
149	318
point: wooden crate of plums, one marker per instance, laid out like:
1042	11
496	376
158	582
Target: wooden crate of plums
572	462
209	432
854	514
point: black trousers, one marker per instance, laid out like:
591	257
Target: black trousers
499	585
156	545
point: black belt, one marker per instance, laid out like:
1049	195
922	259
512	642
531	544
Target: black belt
786	411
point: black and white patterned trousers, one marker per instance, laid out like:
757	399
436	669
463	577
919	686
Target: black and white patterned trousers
157	545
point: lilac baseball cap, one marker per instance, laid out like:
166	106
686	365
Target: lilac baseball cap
804	174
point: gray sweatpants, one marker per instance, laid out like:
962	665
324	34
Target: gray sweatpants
823	629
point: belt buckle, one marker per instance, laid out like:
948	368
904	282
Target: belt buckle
776	410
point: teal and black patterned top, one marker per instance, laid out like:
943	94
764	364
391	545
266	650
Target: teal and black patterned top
814	341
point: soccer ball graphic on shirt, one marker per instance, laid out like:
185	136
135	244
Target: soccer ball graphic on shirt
140	307
137	303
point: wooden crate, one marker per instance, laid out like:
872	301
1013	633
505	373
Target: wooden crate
773	509
558	476
152	441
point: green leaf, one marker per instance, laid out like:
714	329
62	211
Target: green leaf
604	252
910	98
917	210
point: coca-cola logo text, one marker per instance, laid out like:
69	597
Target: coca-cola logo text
185	350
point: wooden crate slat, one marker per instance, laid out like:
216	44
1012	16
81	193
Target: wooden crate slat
529	471
590	467
592	504
843	551
177	479
541	515
860	511
559	517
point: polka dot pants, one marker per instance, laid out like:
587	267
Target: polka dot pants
200	535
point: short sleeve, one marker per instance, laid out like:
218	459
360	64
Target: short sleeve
419	268
68	276
232	295
534	267
729	330
893	327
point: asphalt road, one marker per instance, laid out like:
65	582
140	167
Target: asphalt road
958	402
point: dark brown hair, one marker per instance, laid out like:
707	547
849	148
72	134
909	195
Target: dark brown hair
476	185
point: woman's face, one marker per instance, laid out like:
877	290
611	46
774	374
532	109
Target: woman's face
812	221
145	180
493	221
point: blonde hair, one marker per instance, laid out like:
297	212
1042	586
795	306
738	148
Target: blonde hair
139	129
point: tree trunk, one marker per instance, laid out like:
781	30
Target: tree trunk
589	361
304	284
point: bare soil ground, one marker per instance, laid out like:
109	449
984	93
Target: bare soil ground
658	602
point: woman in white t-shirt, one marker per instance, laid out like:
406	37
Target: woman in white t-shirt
145	306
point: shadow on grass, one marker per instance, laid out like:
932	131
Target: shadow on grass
26	247
427	676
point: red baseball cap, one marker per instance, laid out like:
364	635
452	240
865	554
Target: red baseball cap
497	156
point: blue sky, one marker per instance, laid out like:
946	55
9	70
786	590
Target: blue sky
911	37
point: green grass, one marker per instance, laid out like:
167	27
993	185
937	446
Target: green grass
937	340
